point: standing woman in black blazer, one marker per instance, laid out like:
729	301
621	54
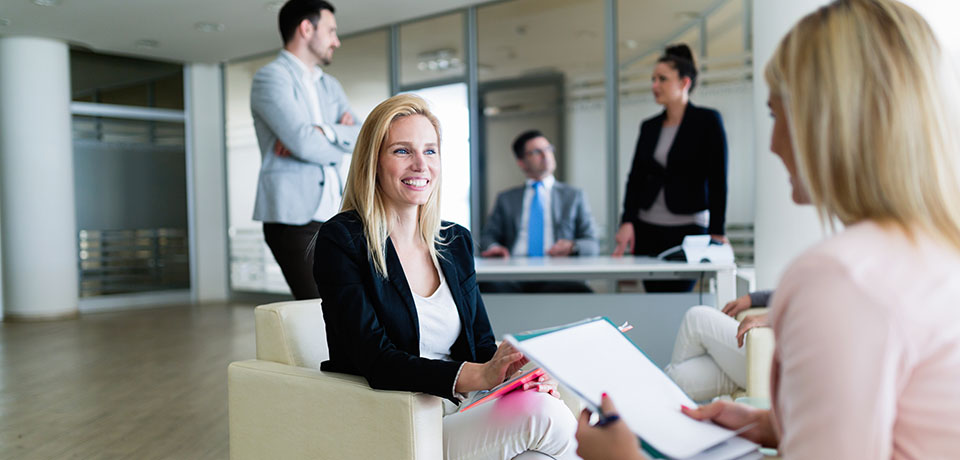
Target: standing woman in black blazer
400	297
678	183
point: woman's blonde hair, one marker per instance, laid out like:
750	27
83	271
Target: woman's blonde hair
362	192
871	104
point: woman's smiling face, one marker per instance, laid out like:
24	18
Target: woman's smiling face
409	163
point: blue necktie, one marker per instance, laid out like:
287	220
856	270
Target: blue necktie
535	225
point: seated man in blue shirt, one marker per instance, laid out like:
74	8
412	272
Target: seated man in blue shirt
543	217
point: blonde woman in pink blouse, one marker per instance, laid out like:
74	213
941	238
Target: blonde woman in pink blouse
867	323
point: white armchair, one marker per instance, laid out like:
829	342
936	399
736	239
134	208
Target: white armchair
282	406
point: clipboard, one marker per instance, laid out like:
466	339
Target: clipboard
591	357
504	388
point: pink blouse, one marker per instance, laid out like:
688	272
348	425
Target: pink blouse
867	360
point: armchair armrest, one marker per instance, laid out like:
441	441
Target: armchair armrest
759	343
282	411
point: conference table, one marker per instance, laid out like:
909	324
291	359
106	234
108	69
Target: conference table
655	316
723	277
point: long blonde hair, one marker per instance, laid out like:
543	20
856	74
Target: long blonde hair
362	192
871	103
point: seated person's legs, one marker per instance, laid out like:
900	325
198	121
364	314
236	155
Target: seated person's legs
706	360
509	426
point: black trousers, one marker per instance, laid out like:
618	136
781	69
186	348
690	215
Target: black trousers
291	247
651	240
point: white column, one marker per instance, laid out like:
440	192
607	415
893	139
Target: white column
206	176
782	229
37	216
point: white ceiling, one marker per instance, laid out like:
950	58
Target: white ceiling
250	26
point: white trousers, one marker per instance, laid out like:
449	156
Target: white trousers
503	429
706	360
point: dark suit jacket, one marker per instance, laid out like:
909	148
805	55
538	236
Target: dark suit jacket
696	174
570	214
371	322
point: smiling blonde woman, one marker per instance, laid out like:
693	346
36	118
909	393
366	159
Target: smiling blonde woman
400	297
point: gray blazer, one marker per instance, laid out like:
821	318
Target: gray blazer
570	213
289	188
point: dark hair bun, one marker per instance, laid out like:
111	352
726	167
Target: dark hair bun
681	51
680	57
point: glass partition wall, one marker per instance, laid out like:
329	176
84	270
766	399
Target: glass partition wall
130	175
718	32
541	67
495	70
432	64
361	66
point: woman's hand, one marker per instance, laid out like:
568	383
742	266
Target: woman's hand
734	307
506	361
613	441
625	240
748	323
735	416
544	384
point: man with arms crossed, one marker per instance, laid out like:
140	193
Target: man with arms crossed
304	127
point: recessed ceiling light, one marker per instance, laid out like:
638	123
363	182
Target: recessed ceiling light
4	22
147	44
209	27
273	6
46	2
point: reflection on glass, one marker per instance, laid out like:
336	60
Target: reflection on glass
431	50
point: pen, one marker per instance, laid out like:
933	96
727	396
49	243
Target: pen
604	421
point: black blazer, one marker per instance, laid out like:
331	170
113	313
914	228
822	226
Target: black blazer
371	322
696	174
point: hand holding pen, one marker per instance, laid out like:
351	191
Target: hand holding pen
610	438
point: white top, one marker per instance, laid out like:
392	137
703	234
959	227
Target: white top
330	196
658	213
520	246
439	321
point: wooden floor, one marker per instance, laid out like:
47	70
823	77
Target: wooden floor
144	384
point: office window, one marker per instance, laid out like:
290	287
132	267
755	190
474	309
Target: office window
120	80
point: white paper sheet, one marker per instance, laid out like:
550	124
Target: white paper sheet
594	357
